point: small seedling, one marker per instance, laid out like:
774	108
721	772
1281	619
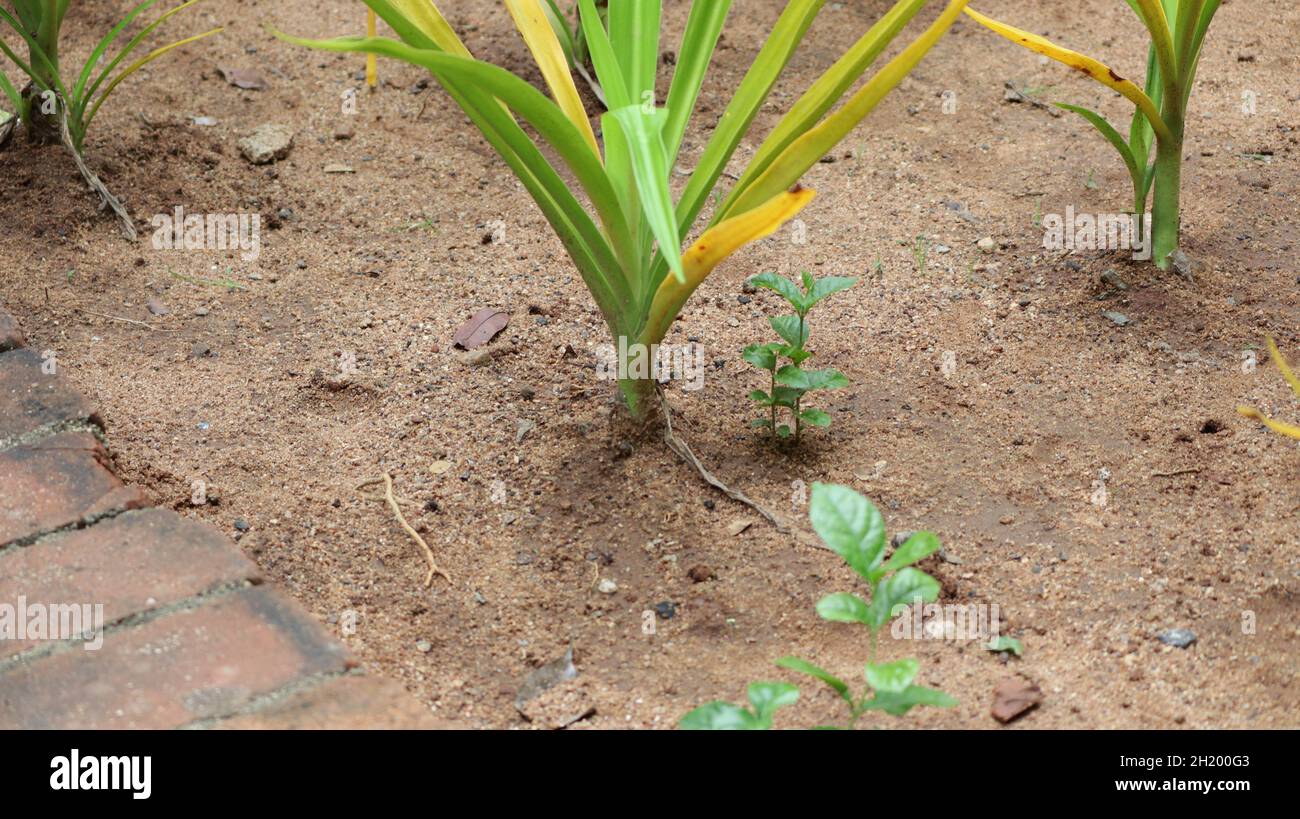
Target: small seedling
921	253
789	383
765	697
852	527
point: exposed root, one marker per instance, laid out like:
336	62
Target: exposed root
684	452
106	197
393	503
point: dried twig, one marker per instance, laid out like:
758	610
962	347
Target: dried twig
684	452
1195	470
143	324
392	500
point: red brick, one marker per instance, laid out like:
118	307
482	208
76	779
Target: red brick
130	564
58	481
188	665
342	703
11	335
31	400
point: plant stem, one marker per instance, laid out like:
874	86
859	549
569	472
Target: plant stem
637	393
1165	215
772	395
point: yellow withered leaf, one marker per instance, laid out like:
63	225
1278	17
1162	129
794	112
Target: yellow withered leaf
536	30
1277	426
1095	69
425	16
717	243
1283	366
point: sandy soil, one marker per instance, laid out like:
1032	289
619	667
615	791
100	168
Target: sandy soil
522	474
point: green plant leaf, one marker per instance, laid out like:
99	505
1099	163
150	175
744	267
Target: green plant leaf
892	677
720	716
827	286
644	134
700	38
843	608
780	285
815	417
900	589
899	703
791	329
1136	169
762	398
786	396
806	380
762	356
767	697
805	667
849	524
917	547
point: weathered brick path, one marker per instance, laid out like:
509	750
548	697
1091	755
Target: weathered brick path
192	637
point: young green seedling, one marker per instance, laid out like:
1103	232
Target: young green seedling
1177	29
853	528
789	383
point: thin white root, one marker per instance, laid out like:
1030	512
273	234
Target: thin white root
397	511
106	197
684	452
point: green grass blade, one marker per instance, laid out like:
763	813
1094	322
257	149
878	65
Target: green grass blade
82	100
703	28
38	54
644	134
827	90
141	63
608	70
772	59
103	45
634	32
1112	136
1198	41
805	151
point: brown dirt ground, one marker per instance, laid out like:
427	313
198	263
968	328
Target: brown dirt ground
999	459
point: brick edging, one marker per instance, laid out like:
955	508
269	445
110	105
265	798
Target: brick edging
191	636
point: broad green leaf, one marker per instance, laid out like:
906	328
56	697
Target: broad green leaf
761	423
849	524
767	697
843	608
806	380
827	286
761	356
917	547
901	589
792	329
898	704
782	286
894	677
815	417
762	398
805	667
786	396
720	716
783	431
